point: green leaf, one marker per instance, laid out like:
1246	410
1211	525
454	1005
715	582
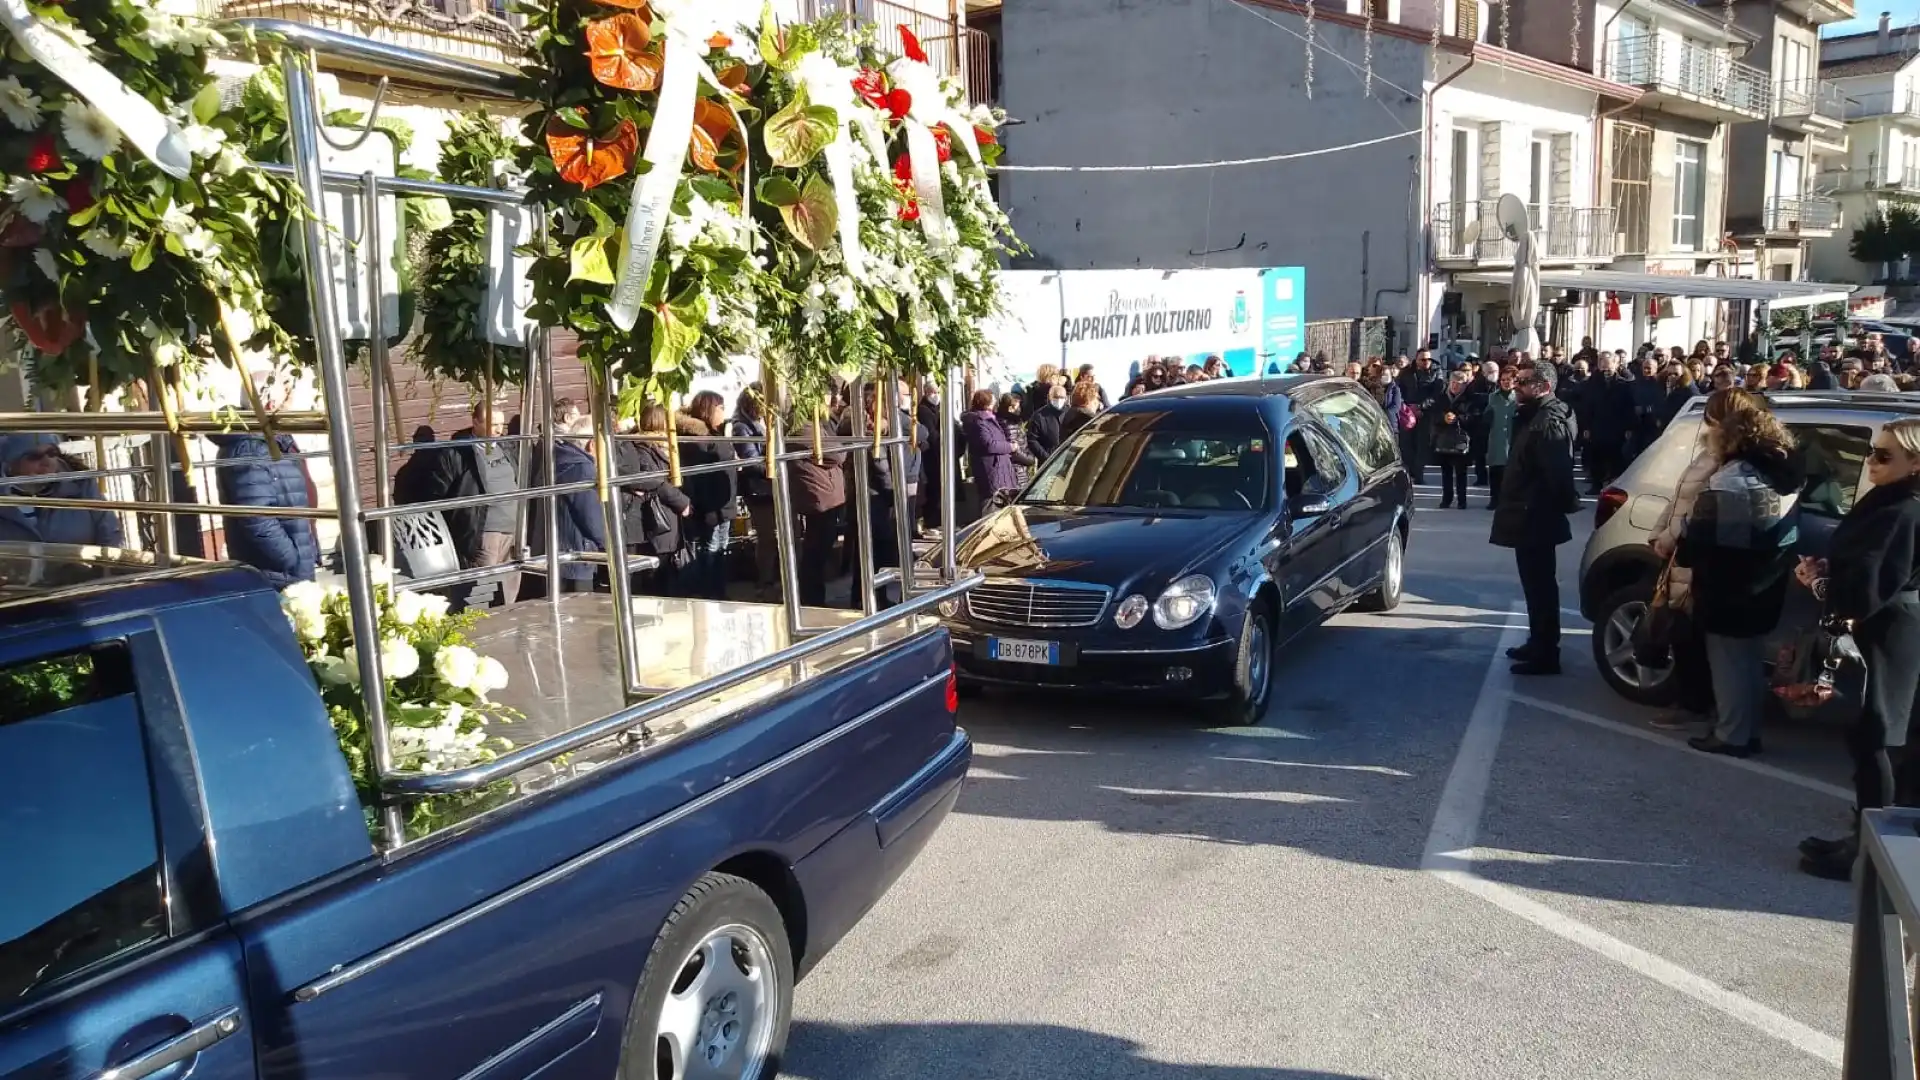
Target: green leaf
783	46
141	259
797	133
602	221
175	246
778	191
676	330
813	219
206	104
590	261
82	217
573	118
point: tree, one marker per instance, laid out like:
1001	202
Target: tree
1872	241
1903	232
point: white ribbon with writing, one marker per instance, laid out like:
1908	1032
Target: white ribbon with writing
830	84
146	128
929	108
690	24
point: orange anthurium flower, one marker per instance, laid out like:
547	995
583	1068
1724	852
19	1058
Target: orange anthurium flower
713	118
984	136
617	49
719	41
589	161
50	329
638	7
704	151
735	78
910	45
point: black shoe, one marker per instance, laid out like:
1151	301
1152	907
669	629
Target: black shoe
1815	847
1711	744
1537	665
1753	746
1523	652
1446	504
1834	865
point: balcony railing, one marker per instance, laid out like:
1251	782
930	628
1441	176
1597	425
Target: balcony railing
1566	233
1813	213
478	29
1703	74
1809	97
962	52
1896	104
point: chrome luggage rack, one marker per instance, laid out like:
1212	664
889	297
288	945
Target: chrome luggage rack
306	47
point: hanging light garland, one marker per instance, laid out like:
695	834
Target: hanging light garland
1433	47
1506	24
1366	50
1573	35
1309	76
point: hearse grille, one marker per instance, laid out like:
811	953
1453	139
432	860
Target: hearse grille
1024	603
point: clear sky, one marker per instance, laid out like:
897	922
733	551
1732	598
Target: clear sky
1904	12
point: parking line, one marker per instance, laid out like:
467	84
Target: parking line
1449	858
1644	735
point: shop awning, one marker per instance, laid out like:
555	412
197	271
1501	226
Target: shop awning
1776	294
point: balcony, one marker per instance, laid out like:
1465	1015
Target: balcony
958	51
478	30
1688	80
1813	215
1469	232
1901	108
1809	105
1821	12
1827	144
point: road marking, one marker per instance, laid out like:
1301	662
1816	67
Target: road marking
1449	857
1755	767
1298	798
1381	770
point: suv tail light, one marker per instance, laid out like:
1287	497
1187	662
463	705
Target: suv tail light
1611	500
953	689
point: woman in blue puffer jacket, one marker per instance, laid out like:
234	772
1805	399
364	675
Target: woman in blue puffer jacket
39	455
282	548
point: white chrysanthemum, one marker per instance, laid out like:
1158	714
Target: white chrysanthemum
44	259
337	671
175	219
302	599
682	232
457	666
398	657
199	242
378	572
88	130
228	161
410	607
20	105
203	141
102	243
491	676
36	202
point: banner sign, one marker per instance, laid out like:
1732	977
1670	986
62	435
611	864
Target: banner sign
1115	319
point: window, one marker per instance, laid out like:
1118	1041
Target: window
1159	459
1632	186
77	834
1835	458
1537	162
1361	427
1314	469
1689	193
1466	19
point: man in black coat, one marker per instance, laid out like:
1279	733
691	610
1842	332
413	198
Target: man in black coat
1605	415
1537	493
1485	381
1420	386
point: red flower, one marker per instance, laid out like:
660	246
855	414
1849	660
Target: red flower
871	86
79	192
43	156
910	45
911	211
903	169
49	329
943	143
899	102
985	136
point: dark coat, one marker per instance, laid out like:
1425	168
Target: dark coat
582	525
1418	389
880	466
651	509
1606	408
412	480
1479	389
284	549
455	472
49	525
1649	398
820	487
1875	552
754	484
990	453
1537	490
1043	431
712	493
1456	437
1739	545
1074	419
1676	400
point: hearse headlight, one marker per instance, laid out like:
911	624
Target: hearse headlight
1184	601
1130	612
949	608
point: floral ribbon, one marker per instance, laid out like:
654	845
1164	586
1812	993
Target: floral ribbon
828	83
928	108
690	23
145	127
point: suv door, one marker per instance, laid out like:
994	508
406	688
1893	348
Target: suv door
113	952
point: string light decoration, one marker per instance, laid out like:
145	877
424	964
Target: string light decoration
1366	50
1309	50
1433	47
1506	24
1573	35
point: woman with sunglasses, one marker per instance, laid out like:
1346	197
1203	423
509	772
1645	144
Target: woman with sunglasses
1871	577
23	456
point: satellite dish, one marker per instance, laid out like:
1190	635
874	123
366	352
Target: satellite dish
1470	235
1512	217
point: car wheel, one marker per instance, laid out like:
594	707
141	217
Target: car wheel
716	996
1613	631
1252	669
1392	578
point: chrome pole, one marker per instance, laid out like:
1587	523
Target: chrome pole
623	628
902	500
552	523
862	497
303	130
522	465
949	475
162	492
783	525
370	244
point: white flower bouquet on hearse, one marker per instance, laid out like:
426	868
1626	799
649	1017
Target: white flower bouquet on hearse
438	690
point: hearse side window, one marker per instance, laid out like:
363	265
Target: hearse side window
78	849
1361	426
1835	458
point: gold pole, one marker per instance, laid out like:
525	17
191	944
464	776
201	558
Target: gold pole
819	456
673	441
246	383
596	392
93	406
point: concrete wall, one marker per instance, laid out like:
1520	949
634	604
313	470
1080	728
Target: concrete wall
1099	82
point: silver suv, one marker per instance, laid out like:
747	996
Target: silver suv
1618	570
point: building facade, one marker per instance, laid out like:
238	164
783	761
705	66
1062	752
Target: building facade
1877	74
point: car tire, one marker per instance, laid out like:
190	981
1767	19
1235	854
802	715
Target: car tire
1612	641
1392	577
1252	683
717	983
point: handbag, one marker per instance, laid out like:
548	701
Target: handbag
1655	633
1409	417
1806	670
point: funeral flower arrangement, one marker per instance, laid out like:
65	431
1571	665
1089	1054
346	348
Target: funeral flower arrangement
128	237
438	689
453	278
722	186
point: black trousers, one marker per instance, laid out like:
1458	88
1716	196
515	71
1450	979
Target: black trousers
1453	478
1605	462
1540	584
1413	453
816	555
1494	473
1886	771
1479	459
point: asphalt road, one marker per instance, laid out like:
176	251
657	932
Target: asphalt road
1416	866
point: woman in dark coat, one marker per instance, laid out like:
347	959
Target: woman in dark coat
991	454
654	512
1451	418
581	525
710	526
1871	578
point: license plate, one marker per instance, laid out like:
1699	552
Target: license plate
1023	651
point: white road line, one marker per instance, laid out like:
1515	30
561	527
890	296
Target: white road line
1644	735
1449	857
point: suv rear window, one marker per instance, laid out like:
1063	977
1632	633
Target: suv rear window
1835	458
78	847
